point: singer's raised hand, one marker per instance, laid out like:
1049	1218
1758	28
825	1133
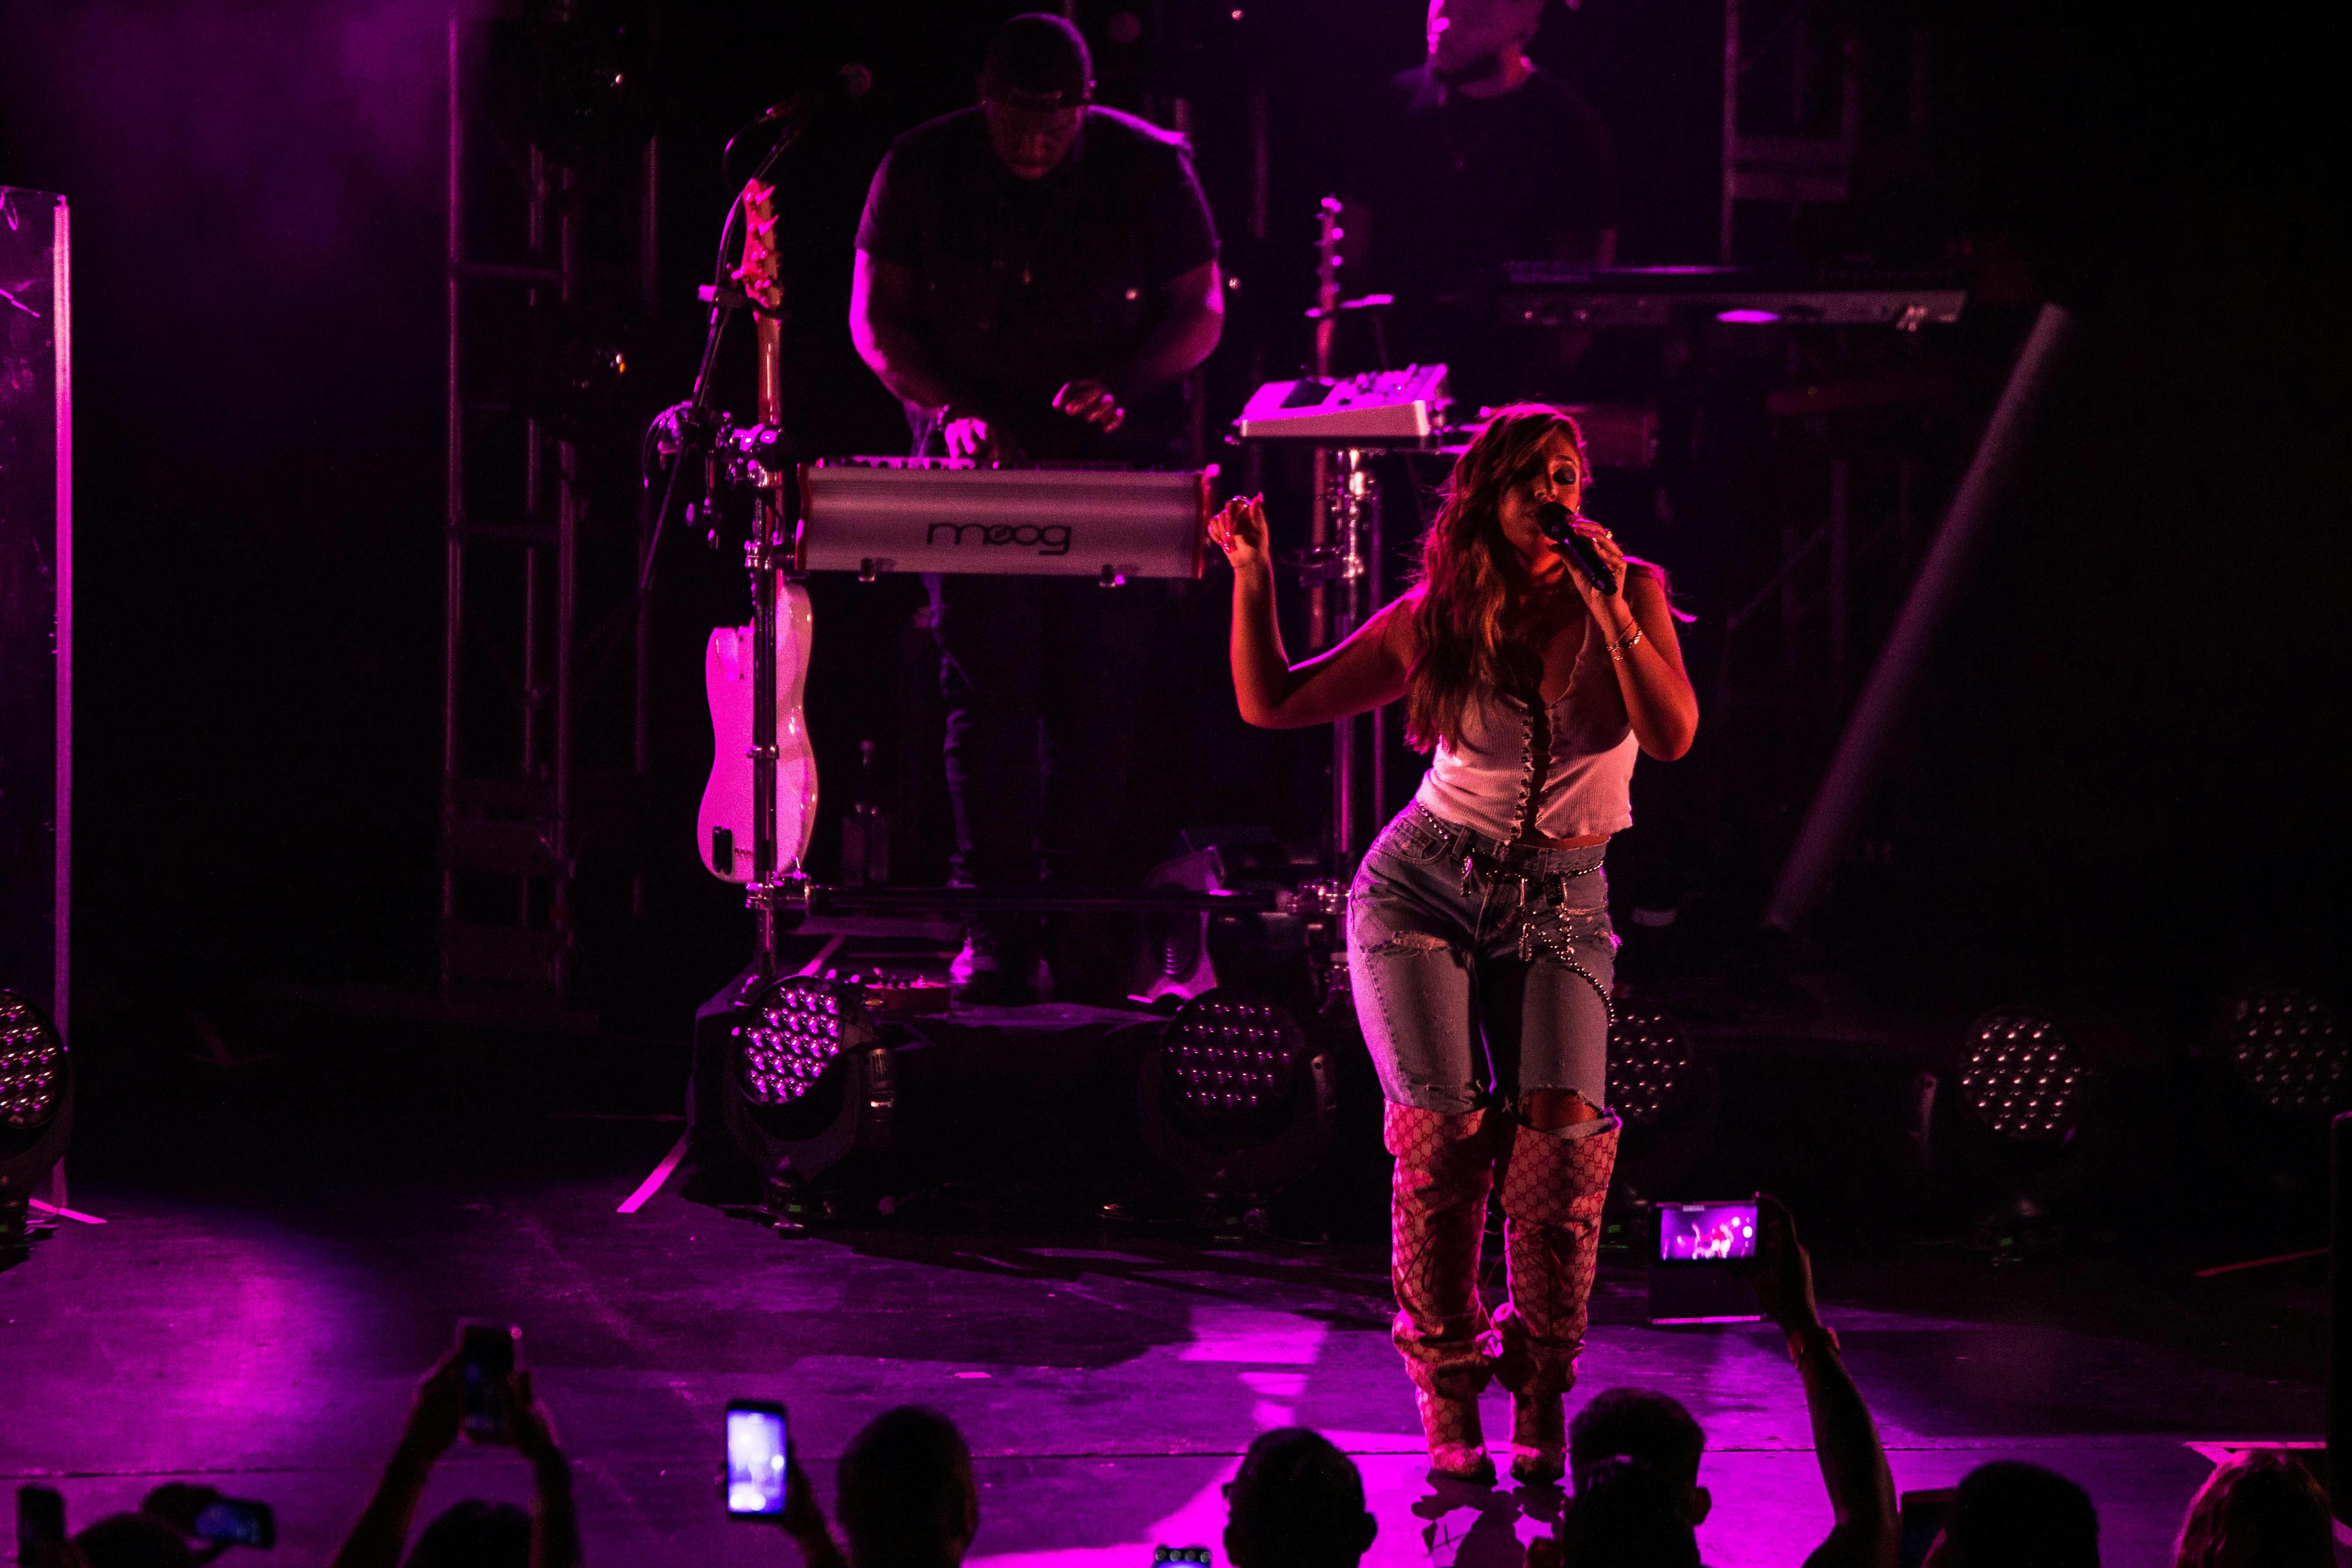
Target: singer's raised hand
1239	530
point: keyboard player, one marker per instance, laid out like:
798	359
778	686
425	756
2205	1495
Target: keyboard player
1035	276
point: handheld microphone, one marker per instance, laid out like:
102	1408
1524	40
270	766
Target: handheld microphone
1559	525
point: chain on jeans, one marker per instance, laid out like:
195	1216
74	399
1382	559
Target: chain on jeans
1555	945
1562	951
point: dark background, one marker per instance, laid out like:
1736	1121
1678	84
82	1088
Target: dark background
2126	778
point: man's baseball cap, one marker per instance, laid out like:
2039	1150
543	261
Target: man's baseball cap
1038	61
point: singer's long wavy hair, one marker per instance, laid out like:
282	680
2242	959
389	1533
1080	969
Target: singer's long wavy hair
1470	574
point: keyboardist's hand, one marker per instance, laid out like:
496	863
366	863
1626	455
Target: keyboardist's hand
1092	402
974	437
1240	531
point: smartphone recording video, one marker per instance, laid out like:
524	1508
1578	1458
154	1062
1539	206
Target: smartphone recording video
755	1459
486	1355
238	1522
1697	1249
1705	1233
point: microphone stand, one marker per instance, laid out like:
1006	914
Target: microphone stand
755	459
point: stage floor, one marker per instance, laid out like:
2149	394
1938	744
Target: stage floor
272	1277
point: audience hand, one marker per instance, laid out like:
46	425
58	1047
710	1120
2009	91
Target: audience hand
434	1413
1092	402
1783	1270
802	1516
532	1431
177	1504
803	1520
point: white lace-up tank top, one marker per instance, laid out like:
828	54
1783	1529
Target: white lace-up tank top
1484	784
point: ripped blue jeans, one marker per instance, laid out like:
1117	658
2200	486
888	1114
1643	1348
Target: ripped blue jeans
1482	972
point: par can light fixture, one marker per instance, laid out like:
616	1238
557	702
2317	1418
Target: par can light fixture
2021	1076
32	1065
2287	1047
1234	1097
809	1079
1652	1073
36	1113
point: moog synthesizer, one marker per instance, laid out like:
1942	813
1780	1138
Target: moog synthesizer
874	515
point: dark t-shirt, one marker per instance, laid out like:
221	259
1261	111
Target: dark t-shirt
1458	183
1026	284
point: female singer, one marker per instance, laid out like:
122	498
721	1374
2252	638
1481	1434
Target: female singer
1479	948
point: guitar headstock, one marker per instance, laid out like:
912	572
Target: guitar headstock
1328	214
758	274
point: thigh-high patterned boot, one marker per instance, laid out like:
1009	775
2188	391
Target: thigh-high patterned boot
1553	1189
1437	1212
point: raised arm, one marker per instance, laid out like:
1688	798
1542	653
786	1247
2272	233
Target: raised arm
555	1521
380	1536
1363	672
1845	1440
804	1520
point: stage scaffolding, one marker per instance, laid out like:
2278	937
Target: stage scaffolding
551	253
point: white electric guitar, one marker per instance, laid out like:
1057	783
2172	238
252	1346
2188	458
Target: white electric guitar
723	827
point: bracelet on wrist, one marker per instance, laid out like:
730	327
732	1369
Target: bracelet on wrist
1631	640
1812	1337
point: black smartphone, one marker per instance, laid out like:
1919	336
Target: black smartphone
1923	1516
755	1458
40	1527
238	1522
486	1355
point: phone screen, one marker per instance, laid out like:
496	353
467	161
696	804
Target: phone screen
40	1526
238	1522
1705	1233
486	1359
755	1459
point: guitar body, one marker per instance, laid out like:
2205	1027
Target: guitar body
723	827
